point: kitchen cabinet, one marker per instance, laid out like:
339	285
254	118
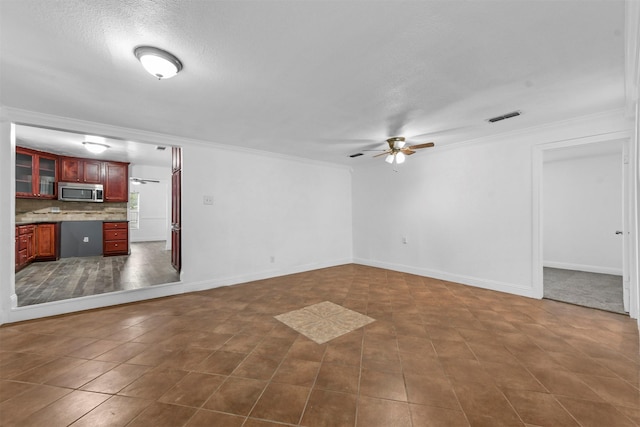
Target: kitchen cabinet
115	238
36	174
26	251
73	169
46	242
116	182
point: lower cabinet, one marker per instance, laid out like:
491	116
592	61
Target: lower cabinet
115	238
46	242
25	245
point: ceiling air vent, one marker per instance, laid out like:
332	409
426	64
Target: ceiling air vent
160	148
355	155
504	116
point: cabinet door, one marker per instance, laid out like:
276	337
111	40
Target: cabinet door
25	165
46	241
116	185
70	169
92	171
47	177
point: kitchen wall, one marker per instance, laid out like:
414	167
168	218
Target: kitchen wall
582	211
466	211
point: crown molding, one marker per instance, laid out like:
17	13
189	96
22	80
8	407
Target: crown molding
34	118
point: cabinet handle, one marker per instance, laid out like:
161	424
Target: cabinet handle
116	245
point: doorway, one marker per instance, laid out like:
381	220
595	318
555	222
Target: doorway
581	227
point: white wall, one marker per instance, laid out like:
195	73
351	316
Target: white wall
466	210
582	210
296	211
154	201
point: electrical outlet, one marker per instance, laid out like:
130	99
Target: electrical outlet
404	239
207	200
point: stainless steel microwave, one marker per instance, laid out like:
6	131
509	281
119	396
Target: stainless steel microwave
78	192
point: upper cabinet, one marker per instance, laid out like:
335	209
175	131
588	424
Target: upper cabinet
36	174
80	170
116	182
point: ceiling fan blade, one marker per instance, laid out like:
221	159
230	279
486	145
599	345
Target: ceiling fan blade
407	151
425	145
382	154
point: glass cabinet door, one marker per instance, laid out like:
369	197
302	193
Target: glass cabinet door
24	174
47	175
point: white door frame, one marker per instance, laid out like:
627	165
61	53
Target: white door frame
537	168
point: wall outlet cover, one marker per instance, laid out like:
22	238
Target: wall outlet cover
207	200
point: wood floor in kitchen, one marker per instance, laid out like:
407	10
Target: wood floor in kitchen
436	354
148	264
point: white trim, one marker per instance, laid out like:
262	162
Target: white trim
537	195
632	55
581	267
493	285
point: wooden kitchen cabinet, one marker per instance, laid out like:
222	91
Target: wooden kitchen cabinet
115	238
73	169
26	250
36	174
46	242
116	182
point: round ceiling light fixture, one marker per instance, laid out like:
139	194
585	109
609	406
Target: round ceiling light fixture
95	147
159	63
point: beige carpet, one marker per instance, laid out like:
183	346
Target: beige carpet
324	321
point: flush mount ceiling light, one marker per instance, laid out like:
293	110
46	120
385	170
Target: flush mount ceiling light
159	63
95	147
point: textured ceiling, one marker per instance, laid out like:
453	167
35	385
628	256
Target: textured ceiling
315	79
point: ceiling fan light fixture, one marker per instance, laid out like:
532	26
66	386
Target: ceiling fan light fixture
400	157
159	63
389	158
95	147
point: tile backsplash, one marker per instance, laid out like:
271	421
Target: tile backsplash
33	210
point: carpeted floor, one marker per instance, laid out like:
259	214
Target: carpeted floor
603	291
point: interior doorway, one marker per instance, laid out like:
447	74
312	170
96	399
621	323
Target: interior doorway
583	225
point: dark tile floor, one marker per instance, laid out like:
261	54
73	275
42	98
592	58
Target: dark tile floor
437	354
148	264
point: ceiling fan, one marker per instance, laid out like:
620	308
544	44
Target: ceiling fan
398	150
137	181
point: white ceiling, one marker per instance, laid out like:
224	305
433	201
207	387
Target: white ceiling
315	79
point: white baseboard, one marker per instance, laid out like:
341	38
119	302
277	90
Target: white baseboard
525	291
582	267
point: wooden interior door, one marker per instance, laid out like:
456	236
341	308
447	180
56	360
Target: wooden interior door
176	198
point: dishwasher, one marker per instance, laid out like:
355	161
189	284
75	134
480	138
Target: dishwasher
80	238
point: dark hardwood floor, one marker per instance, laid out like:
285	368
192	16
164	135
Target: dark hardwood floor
148	264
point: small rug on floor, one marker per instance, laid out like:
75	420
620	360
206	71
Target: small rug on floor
324	321
602	291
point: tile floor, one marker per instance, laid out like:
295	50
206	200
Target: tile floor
437	354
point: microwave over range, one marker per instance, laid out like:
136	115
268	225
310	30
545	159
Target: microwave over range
78	192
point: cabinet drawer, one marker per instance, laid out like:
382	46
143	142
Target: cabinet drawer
118	234
22	257
115	225
116	246
23	243
24	229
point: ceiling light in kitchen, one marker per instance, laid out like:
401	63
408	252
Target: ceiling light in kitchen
95	147
159	63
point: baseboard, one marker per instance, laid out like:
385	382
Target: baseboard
261	275
582	267
494	285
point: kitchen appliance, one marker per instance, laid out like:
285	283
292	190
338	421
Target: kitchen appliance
79	192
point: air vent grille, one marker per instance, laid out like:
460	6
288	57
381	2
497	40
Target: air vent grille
504	116
160	148
355	155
